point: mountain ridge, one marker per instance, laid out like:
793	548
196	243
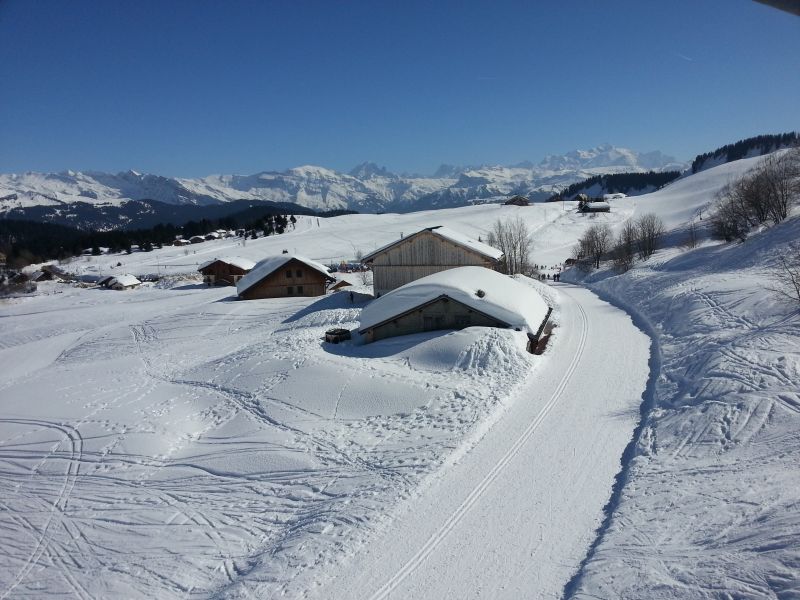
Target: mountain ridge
367	187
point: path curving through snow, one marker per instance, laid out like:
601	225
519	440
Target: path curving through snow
516	514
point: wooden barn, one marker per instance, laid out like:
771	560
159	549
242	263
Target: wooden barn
594	207
284	276
517	201
124	282
455	299
426	252
225	271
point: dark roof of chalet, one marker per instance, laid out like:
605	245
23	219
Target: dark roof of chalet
517	200
447	234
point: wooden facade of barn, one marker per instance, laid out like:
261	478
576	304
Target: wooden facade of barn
220	272
293	278
419	255
440	313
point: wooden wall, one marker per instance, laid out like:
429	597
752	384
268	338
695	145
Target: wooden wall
445	313
221	273
277	284
420	255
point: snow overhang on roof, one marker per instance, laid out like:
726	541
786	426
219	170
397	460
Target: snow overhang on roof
447	234
237	261
125	280
269	265
597	206
481	289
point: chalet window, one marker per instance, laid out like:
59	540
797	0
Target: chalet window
298	273
462	320
290	290
299	289
289	273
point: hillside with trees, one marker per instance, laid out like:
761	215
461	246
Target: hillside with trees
630	184
750	147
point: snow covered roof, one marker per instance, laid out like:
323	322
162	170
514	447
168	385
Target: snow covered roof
502	297
237	261
269	265
125	281
597	206
450	235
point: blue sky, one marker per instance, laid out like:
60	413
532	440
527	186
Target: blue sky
190	88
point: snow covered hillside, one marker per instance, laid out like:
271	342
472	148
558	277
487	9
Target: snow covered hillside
709	508
170	441
367	188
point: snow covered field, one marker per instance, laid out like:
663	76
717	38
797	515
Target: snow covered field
170	442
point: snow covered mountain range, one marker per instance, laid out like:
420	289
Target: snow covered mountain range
366	188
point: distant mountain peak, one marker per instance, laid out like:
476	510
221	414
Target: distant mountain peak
607	155
370	170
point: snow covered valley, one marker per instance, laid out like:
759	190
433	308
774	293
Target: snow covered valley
171	442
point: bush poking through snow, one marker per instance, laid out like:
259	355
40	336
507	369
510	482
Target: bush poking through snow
786	276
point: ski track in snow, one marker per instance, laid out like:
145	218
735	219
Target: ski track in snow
488	479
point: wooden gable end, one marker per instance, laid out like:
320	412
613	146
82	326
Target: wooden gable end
427	249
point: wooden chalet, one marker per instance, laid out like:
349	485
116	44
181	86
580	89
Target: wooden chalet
594	207
284	276
517	201
455	299
225	271
426	252
124	282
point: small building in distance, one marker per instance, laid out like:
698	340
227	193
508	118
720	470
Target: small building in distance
517	201
455	299
225	271
426	252
594	207
283	276
124	282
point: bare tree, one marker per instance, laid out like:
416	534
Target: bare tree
727	222
692	235
786	275
650	230
365	275
764	194
582	261
514	239
595	243
779	175
624	252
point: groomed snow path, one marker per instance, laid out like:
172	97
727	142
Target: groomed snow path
514	516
